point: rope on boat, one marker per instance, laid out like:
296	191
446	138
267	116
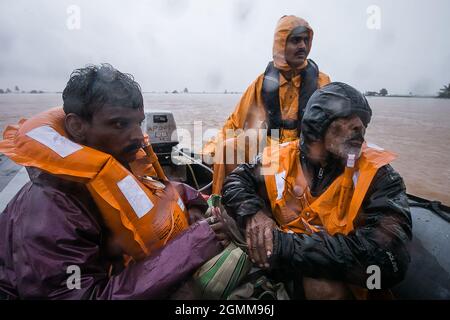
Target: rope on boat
192	172
435	206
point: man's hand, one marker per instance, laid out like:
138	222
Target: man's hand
219	230
218	227
195	214
259	236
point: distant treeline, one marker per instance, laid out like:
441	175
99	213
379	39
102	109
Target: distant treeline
17	90
186	90
443	93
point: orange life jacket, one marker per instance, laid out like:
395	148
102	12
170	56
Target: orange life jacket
293	206
140	215
296	210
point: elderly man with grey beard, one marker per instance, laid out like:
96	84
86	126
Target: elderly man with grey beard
325	210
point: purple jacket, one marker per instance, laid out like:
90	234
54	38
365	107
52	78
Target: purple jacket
52	224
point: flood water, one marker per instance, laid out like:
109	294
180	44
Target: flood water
417	129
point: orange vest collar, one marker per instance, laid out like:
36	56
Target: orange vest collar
292	204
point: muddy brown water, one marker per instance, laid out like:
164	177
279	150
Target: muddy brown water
417	129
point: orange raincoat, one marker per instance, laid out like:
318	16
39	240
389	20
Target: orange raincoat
250	112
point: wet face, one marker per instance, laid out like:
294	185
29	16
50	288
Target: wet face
296	51
345	136
113	130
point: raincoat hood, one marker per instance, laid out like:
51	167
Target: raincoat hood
335	100
285	26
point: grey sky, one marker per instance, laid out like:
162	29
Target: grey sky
215	45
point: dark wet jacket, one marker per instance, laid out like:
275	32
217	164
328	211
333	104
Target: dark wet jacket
52	224
381	235
382	230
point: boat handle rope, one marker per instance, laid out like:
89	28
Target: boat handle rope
436	206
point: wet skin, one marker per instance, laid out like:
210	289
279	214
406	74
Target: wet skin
345	136
297	47
113	130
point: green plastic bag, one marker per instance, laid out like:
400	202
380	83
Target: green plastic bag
218	277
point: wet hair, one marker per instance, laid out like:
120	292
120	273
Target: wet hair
91	88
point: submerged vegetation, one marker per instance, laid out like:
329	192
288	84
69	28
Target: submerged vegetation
445	92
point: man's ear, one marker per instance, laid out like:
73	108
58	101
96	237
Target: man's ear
75	127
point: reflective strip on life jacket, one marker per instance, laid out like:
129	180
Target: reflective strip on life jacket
142	219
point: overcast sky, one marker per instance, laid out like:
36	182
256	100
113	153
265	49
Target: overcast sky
215	45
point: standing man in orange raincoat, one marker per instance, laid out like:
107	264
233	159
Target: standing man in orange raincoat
277	98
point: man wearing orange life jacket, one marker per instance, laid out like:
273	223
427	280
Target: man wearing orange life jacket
277	98
329	208
83	208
